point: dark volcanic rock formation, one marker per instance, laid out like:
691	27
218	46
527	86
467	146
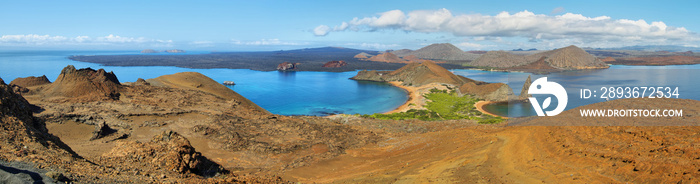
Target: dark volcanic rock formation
335	64
286	66
523	93
567	58
30	81
168	151
84	85
418	74
23	137
438	51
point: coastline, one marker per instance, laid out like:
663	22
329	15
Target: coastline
413	96
480	107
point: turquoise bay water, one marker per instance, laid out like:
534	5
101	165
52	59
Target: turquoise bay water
287	93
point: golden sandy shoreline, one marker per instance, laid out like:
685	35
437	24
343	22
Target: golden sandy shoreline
480	107
415	97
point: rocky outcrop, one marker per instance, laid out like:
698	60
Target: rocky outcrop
489	92
286	66
141	82
438	51
419	74
84	85
148	51
335	64
168	151
567	58
24	137
30	81
387	57
523	93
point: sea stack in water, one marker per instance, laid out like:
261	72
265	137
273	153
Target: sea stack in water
419	74
526	87
286	66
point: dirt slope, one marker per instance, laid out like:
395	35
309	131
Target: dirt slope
199	82
525	154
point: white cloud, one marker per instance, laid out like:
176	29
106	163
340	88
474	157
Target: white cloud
323	30
48	40
32	39
274	41
524	24
374	46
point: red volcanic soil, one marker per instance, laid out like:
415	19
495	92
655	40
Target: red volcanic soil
334	64
608	59
658	60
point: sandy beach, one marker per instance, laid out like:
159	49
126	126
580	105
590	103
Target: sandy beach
415	96
480	106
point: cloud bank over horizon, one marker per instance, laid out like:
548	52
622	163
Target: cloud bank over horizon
109	40
567	28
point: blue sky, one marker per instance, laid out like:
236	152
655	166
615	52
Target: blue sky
379	25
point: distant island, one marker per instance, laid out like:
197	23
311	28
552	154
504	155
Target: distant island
148	51
444	54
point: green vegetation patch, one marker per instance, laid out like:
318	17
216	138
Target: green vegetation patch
443	105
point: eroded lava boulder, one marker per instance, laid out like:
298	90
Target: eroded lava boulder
286	66
335	64
168	151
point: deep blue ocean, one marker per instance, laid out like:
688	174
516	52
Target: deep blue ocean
287	93
322	93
